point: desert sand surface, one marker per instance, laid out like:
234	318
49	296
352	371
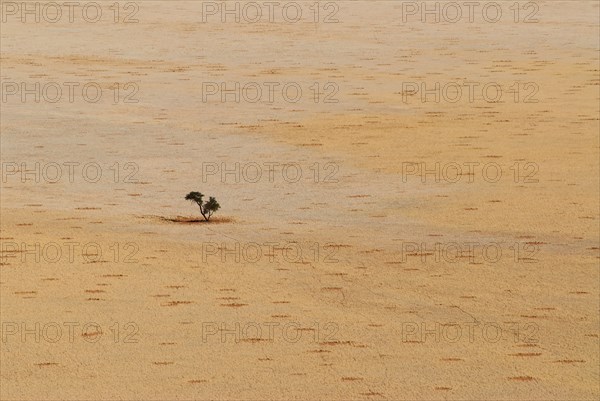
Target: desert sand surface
335	269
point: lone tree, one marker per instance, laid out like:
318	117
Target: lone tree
208	208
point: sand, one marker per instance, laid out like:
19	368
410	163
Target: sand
334	270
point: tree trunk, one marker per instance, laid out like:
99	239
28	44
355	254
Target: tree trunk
202	213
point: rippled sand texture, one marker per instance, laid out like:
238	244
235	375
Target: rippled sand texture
139	303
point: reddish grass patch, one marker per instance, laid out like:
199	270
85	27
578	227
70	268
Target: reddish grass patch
176	303
522	378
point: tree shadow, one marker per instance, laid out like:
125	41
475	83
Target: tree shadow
195	220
